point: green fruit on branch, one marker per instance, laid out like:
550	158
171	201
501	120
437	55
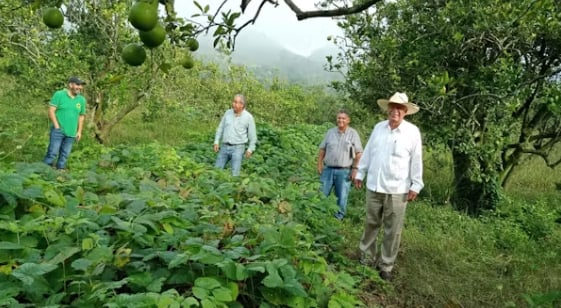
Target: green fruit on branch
134	54
52	17
143	16
188	62
193	44
154	37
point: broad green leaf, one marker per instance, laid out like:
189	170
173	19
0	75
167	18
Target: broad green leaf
156	285
9	289
295	288
287	272
101	254
207	303
87	244
168	228
207	283
222	294
28	272
63	255
255	267
53	197
81	264
273	280
190	302
32	192
178	260
141	279
10	246
200	293
234	289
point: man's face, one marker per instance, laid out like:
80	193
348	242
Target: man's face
75	88
343	120
237	105
396	112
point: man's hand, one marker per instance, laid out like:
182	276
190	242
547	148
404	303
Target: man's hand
248	154
320	168
216	147
358	183
78	136
411	196
352	176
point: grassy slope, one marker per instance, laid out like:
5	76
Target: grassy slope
447	259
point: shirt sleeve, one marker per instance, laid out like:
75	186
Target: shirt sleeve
357	144
251	134
416	170
55	100
364	161
83	108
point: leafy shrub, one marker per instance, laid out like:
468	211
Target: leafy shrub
149	225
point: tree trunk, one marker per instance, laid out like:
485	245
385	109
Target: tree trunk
103	126
473	193
509	166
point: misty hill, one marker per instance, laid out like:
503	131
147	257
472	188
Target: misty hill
267	58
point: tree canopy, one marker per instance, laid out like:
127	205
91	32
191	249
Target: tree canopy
485	72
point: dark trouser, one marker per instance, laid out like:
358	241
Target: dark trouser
59	145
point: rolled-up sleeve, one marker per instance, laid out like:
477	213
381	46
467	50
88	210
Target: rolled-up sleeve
252	135
416	170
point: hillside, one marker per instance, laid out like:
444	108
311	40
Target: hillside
267	58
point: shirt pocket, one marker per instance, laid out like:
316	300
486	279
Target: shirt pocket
401	155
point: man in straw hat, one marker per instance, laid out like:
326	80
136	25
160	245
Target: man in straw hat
392	158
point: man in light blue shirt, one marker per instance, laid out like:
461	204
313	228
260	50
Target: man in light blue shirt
393	165
236	129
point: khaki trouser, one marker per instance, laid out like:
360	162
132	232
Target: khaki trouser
388	210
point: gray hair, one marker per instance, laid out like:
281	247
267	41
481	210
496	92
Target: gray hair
241	97
344	111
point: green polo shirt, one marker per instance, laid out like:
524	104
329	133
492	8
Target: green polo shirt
68	110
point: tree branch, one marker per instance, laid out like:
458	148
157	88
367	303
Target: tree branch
544	156
301	15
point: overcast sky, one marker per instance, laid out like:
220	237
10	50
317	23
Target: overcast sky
279	24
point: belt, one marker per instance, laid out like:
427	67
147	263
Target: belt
232	144
338	167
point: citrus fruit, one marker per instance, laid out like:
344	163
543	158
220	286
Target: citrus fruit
52	17
143	16
154	37
134	54
193	44
187	61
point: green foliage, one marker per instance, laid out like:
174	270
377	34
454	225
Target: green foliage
149	224
484	73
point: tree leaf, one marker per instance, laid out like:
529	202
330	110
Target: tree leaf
207	283
81	264
10	246
28	272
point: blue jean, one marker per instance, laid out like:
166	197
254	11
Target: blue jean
340	180
232	153
59	145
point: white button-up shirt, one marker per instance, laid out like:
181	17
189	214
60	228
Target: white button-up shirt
393	159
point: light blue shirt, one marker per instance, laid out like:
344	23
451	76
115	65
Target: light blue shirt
237	129
393	159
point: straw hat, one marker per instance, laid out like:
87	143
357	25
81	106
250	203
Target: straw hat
399	98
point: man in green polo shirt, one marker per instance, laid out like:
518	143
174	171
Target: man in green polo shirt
67	109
